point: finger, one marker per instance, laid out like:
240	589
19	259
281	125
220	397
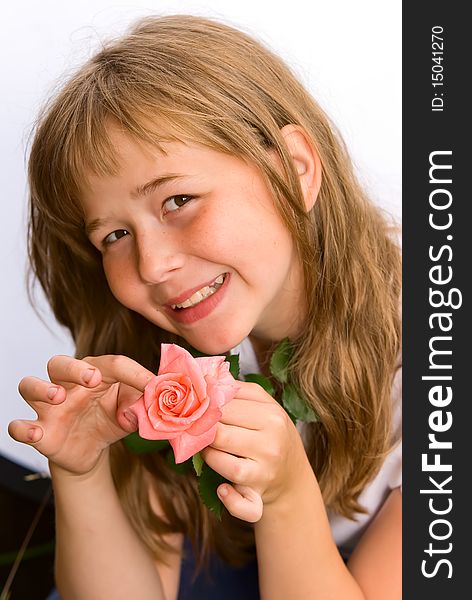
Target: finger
241	501
244	413
35	390
233	468
26	432
66	369
91	370
116	367
253	391
126	419
235	440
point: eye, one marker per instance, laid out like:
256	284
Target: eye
175	202
114	236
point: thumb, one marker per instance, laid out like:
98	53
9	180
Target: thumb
129	409
241	501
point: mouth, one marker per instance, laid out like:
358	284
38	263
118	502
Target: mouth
200	302
201	294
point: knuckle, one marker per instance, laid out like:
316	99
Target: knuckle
239	471
118	361
254	388
273	451
278	419
221	437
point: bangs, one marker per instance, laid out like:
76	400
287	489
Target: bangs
89	149
158	87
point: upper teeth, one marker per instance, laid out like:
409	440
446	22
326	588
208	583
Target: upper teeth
200	295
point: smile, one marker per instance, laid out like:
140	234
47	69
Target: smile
200	295
200	303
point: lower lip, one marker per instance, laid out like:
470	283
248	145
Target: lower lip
201	310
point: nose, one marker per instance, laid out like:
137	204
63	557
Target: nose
157	258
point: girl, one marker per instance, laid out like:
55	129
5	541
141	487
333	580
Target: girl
186	156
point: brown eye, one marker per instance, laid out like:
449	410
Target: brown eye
175	202
114	236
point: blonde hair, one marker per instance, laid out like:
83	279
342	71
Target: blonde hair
189	78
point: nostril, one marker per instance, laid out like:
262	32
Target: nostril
156	259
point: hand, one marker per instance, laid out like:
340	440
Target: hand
258	448
82	409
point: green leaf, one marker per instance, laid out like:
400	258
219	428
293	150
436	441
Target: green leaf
208	481
139	445
196	353
262	380
197	461
280	359
295	405
233	360
178	468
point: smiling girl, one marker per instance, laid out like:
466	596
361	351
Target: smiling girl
185	188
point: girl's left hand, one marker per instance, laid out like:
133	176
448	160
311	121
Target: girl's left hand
259	449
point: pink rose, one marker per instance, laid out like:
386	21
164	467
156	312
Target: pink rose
183	402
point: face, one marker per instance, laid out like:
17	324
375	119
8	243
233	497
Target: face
191	240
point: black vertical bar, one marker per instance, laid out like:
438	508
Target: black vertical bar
437	556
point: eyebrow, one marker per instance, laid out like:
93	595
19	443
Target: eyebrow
153	184
140	191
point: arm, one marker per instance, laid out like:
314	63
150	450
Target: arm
298	558
98	556
296	554
376	560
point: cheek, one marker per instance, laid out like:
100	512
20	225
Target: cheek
124	288
120	278
211	236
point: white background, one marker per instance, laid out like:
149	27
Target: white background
347	53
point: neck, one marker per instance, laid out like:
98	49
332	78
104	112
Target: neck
263	349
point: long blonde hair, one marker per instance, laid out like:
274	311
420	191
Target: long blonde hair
189	78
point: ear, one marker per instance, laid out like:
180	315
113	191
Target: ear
306	161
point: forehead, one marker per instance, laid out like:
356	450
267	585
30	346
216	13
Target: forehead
140	167
131	158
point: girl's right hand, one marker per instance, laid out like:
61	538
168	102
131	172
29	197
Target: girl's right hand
82	409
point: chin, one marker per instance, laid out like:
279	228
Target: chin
211	348
217	345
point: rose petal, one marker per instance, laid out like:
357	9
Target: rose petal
177	360
184	399
210	365
169	352
145	427
163	422
191	405
151	387
187	445
206	422
192	418
172	396
221	392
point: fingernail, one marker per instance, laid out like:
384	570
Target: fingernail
52	391
131	417
34	434
87	375
222	491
